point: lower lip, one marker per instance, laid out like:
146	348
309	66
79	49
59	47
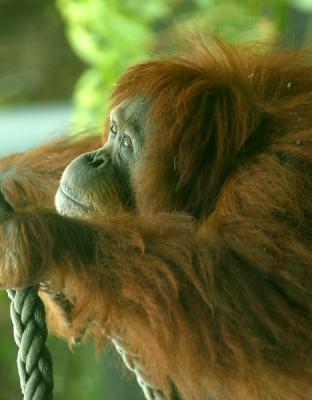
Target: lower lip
74	201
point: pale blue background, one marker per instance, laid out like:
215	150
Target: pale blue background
26	126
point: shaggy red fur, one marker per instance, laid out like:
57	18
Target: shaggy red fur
209	284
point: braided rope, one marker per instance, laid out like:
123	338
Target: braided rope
150	391
30	334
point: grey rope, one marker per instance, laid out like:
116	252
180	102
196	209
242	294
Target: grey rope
150	391
30	333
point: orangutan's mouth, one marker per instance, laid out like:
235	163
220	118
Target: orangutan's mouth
66	201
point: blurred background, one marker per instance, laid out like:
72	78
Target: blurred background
58	61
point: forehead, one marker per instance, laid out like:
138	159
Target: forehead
130	112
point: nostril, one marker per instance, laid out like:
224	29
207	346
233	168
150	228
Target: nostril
98	160
96	163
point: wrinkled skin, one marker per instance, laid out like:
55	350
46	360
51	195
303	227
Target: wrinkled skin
101	180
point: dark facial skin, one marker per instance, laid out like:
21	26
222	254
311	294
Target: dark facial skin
90	183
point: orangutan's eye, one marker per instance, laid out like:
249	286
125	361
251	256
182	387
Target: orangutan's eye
126	142
113	128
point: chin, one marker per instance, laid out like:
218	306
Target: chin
66	205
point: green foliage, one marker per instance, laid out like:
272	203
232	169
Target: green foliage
110	35
304	5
